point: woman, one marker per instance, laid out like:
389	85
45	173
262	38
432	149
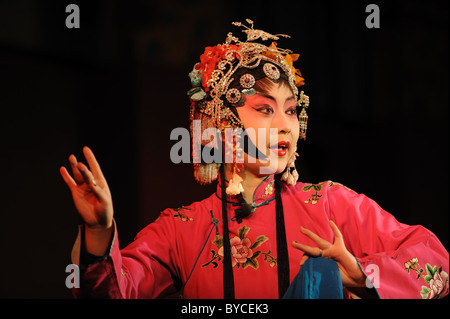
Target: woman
262	234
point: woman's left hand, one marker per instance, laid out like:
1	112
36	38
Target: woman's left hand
351	274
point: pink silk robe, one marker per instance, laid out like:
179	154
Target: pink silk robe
402	261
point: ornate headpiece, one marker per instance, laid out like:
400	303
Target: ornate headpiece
228	71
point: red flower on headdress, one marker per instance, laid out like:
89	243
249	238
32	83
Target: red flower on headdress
210	59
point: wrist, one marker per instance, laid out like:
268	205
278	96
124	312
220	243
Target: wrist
360	280
101	223
98	239
98	228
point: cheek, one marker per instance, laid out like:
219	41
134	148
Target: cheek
247	117
254	123
296	131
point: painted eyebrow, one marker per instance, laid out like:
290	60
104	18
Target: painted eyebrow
270	97
290	98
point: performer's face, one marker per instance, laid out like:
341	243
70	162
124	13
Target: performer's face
275	114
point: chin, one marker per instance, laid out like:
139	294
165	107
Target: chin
275	167
281	168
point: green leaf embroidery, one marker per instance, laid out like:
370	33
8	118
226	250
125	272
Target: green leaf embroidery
424	292
317	187
256	254
213	258
427	273
429	269
259	241
252	262
218	241
242	232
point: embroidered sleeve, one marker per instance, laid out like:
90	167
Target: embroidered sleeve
401	261
144	269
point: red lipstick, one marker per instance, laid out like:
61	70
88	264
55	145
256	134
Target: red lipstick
281	148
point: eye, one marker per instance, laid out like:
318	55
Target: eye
291	111
265	109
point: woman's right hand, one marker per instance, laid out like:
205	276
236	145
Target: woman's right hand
90	193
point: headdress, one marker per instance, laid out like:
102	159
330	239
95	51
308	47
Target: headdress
226	72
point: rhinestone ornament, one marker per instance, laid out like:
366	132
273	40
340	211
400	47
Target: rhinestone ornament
233	96
271	71
247	81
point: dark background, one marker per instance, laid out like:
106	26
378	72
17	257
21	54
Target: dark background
378	115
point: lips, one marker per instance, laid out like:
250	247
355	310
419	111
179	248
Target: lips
281	148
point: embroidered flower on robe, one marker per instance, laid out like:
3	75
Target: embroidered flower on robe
182	215
243	251
269	189
437	279
240	250
438	285
316	196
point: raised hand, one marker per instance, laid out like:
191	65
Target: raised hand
92	199
351	274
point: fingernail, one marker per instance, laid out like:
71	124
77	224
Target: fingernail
94	182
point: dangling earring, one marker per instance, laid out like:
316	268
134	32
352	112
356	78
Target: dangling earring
303	121
235	185
290	175
235	153
303	102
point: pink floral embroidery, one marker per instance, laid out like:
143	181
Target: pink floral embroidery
243	251
438	285
436	278
240	250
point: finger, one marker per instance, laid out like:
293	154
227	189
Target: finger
303	259
336	231
87	175
67	178
322	243
308	250
76	172
93	164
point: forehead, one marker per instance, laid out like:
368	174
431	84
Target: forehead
277	92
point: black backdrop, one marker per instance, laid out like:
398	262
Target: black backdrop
378	114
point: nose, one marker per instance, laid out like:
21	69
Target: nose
280	122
